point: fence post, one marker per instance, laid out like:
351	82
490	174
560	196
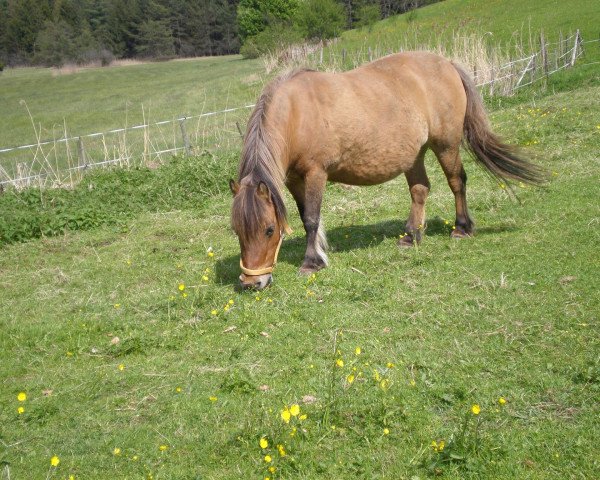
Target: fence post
575	47
321	54
186	140
81	153
343	56
544	53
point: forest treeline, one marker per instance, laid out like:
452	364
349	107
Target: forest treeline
54	32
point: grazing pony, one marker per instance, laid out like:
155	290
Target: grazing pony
362	127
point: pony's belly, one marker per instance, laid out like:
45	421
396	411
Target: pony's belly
368	172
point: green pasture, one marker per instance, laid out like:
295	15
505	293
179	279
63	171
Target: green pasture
200	373
505	24
127	353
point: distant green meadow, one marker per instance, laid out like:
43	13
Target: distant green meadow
126	351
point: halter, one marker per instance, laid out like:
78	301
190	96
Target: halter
263	271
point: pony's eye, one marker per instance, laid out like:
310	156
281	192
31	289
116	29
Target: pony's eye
269	231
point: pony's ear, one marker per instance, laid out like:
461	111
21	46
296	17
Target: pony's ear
234	187
263	191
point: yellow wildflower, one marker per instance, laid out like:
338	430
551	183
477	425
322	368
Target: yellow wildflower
54	461
22	396
272	469
163	448
502	400
121	367
441	445
268	458
212	399
350	378
357	351
135	458
213	312
302	417
21	410
263	443
476	409
117	305
339	362
390	365
386	431
205	278
117	451
286	415
184	295
178	389
384	384
412	382
376	376
295	410
281	450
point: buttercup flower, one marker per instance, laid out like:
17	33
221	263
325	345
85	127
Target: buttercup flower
281	450
54	461
295	410
268	458
163	448
21	410
386	431
476	409
357	351
339	362
502	400
22	396
263	443
350	378
286	415
117	451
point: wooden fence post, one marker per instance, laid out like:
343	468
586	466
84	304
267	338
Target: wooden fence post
575	48
81	153
186	140
544	53
343	56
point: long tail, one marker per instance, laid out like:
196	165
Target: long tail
500	159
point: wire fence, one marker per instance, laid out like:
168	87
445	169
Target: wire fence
62	161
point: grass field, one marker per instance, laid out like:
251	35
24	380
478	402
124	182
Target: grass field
511	313
138	359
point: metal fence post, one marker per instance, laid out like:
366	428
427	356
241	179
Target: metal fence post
186	140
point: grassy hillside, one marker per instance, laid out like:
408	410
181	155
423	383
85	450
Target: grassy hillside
126	352
99	99
138	359
503	22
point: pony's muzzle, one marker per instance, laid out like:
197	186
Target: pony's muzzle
256	282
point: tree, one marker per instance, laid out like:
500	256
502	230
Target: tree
255	15
54	44
321	19
155	40
368	15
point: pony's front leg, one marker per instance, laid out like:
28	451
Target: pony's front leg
308	193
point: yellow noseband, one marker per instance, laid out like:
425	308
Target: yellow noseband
263	271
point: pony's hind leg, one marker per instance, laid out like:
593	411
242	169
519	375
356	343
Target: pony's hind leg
449	159
308	194
418	184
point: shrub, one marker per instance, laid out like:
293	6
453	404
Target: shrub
273	38
111	197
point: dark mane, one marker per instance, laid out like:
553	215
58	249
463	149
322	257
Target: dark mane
259	163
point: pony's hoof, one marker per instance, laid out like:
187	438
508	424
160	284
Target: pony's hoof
309	270
458	234
406	241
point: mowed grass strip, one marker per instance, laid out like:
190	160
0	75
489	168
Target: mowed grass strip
200	373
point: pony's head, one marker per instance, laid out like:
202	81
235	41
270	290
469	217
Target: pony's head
258	218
